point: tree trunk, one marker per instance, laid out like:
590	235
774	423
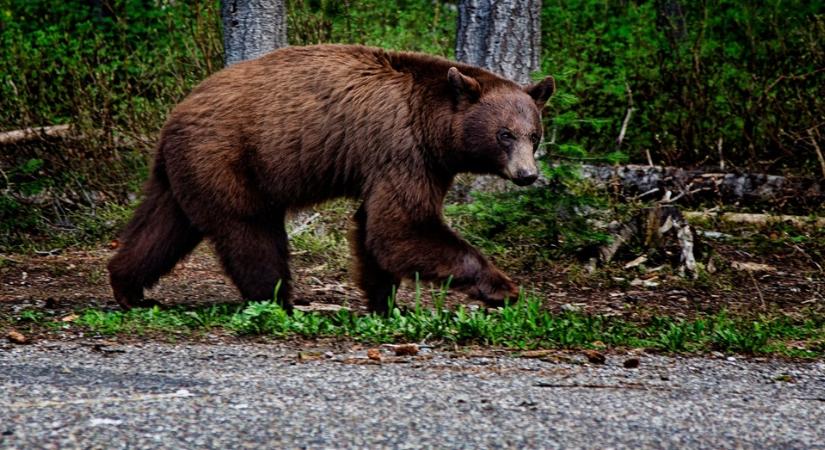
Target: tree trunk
252	28
502	36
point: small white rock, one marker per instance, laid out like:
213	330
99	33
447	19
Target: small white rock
103	421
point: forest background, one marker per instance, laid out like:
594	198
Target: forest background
708	82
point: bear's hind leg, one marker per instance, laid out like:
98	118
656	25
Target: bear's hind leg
158	236
378	284
255	255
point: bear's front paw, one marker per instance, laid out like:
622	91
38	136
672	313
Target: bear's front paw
495	288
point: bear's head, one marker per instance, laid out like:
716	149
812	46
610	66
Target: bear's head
498	126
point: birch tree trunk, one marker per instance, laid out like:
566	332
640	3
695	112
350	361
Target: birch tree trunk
252	28
502	36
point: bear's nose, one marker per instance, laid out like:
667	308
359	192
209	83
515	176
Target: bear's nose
525	178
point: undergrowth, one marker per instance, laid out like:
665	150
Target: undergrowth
545	222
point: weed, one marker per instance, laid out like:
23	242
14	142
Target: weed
211	316
31	316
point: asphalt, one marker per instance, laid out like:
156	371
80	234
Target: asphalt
80	395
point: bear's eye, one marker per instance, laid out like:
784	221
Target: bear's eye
506	137
535	138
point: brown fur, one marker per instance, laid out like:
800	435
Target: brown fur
305	124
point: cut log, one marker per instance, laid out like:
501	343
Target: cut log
691	187
34	134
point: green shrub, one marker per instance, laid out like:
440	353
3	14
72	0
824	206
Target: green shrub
748	75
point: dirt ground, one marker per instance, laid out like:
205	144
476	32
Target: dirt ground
789	281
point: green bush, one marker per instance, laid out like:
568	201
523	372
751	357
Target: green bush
416	25
112	71
746	75
546	221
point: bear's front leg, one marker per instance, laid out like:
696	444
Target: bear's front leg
377	284
407	242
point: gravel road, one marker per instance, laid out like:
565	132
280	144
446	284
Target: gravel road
79	395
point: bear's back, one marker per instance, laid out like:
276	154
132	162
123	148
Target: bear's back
333	114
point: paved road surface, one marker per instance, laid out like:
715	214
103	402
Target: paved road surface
73	395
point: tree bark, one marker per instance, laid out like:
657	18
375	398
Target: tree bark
252	28
502	36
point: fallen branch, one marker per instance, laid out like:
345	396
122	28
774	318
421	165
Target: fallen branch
757	219
34	134
118	138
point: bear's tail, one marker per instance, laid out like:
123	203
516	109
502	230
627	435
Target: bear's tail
157	237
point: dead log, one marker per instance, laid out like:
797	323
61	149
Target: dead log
685	187
34	134
663	230
693	187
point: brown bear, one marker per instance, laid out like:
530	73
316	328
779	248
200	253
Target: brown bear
302	125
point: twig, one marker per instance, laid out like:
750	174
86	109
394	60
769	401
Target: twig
51	252
797	248
667	198
645	194
818	151
649	159
303	226
629	113
624	125
721	156
793	77
758	291
6	180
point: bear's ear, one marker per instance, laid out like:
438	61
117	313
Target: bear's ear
541	91
463	86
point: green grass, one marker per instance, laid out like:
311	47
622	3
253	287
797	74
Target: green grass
524	325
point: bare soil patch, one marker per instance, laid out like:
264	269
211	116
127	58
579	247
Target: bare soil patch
744	282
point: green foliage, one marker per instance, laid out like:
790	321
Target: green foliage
416	25
522	325
115	68
550	220
112	71
747	73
